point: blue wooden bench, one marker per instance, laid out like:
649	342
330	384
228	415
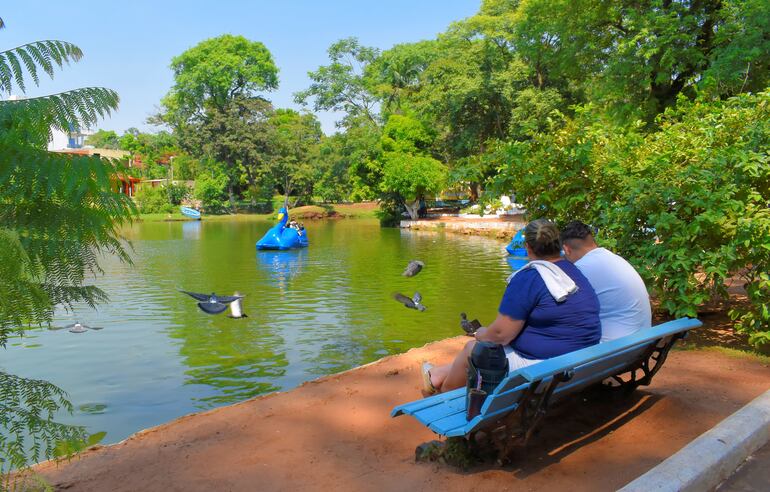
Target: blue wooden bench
515	408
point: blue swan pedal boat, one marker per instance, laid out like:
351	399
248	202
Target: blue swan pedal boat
280	236
516	246
518	253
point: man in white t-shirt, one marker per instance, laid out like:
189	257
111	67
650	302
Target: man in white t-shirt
624	304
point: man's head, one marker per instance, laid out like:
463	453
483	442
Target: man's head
577	240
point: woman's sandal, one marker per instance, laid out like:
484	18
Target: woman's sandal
427	385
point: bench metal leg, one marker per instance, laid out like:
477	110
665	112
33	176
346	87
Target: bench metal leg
649	364
517	427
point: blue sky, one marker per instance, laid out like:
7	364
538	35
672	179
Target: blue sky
128	46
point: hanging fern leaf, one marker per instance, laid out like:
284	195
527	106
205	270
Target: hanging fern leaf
58	214
32	57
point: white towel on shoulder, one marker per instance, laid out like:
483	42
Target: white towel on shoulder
556	281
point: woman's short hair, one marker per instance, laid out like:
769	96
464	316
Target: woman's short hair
542	237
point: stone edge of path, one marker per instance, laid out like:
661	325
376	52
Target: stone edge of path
713	456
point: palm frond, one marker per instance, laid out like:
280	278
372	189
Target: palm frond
58	215
40	55
67	111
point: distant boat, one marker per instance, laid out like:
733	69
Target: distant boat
190	212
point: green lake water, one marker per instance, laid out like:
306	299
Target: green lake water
311	312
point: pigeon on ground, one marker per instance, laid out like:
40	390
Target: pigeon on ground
76	327
413	268
469	327
413	303
212	303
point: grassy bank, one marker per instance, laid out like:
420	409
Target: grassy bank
365	210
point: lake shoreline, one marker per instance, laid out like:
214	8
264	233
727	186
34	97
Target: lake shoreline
488	226
362	210
338	431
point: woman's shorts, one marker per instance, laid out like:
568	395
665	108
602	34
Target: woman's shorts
516	361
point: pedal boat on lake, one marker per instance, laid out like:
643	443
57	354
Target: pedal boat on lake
516	246
282	237
190	212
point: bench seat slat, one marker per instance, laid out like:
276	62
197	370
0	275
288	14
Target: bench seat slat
412	407
437	412
446	426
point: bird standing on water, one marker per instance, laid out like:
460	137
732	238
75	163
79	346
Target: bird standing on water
76	327
413	303
212	303
413	268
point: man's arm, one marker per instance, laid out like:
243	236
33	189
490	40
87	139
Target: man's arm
502	330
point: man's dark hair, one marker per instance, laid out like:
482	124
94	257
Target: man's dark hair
576	230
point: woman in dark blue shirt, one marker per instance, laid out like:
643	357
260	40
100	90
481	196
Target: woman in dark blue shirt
531	323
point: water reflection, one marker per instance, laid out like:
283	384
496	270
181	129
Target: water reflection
516	263
311	312
282	266
191	229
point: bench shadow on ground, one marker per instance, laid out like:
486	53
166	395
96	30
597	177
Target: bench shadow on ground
572	425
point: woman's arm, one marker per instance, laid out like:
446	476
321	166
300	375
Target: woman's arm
502	330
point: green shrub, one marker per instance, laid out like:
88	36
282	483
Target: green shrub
687	203
211	190
152	200
176	193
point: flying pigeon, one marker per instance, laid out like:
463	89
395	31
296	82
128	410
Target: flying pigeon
212	303
236	308
413	268
413	303
469	327
76	327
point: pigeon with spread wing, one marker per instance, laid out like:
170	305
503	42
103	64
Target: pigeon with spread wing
414	303
212	303
76	327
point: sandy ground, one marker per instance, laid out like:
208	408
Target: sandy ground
336	433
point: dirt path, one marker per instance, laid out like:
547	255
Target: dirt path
336	434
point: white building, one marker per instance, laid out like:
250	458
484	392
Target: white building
63	140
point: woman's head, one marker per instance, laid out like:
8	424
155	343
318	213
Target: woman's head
542	237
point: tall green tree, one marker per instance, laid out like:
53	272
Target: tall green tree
409	171
343	85
241	133
637	57
297	136
207	79
58	214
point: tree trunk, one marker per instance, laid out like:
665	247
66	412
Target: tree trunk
474	188
231	192
412	207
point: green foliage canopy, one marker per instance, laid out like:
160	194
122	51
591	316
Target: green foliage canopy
217	70
687	204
